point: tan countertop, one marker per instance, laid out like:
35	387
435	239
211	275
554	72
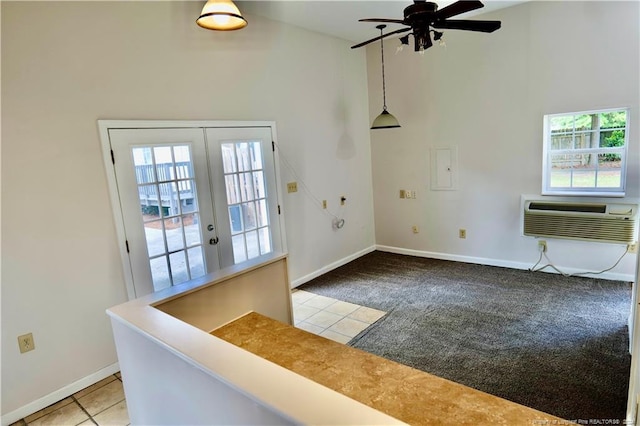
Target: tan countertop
409	395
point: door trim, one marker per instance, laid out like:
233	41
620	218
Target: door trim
114	196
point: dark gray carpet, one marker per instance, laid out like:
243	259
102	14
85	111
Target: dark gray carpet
557	344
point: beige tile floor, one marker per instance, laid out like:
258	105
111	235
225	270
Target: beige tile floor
331	318
103	403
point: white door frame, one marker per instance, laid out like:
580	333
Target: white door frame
634	374
103	128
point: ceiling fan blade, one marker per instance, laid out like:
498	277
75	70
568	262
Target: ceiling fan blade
392	21
402	30
460	24
457	8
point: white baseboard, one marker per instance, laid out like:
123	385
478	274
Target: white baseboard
315	274
59	395
498	262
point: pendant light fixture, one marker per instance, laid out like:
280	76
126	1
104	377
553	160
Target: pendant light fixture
385	120
221	15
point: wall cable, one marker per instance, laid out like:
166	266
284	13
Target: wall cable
317	202
564	274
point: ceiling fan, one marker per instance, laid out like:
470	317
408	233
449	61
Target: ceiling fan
422	15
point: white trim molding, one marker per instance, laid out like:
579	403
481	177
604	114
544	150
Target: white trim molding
59	395
315	274
497	262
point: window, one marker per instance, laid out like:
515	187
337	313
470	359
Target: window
585	153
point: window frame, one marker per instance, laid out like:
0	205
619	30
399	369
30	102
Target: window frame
595	191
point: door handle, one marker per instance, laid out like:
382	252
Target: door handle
214	241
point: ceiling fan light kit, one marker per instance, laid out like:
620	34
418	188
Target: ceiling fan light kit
385	120
423	18
420	18
221	15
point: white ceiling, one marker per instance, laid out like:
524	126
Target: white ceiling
340	18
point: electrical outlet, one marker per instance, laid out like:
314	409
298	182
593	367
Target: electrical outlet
415	229
542	246
343	200
403	193
292	187
324	204
632	248
25	342
462	233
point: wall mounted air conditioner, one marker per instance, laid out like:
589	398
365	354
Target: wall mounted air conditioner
603	222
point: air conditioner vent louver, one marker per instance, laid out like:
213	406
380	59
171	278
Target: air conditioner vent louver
576	208
613	223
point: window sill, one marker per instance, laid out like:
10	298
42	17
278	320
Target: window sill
585	194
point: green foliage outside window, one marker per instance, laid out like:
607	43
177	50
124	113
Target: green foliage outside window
585	151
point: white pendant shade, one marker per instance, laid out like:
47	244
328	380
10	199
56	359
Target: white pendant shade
221	15
385	120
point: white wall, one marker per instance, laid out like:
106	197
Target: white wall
487	94
67	64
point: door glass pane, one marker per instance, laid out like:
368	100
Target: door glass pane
228	158
196	262
256	156
143	161
149	201
179	271
188	200
261	213
169	199
191	225
160	273
174	232
244	157
265	240
253	249
182	155
249	215
247	200
246	186
235	219
233	192
163	159
170	213
258	185
239	250
154	233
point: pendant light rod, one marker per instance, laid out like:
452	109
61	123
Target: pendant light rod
384	86
385	120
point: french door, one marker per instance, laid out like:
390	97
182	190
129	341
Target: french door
193	200
244	187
